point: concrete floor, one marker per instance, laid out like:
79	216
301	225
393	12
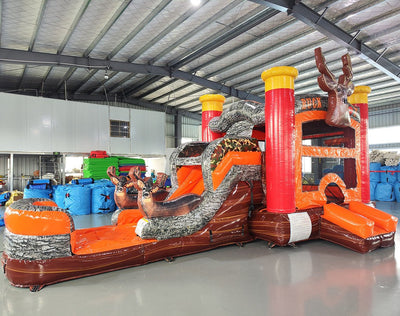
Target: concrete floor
316	278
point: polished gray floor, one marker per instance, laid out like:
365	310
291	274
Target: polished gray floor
315	278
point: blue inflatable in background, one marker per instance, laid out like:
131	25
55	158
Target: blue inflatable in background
40	188
82	181
82	197
4	197
398	173
103	199
372	188
396	189
374	176
78	199
59	192
390	174
384	192
38	193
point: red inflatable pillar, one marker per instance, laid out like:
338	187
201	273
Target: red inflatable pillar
212	105
359	98
279	138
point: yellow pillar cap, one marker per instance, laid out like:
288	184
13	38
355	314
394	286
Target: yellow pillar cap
279	77
360	95
212	102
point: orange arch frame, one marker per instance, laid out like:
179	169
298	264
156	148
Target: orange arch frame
310	199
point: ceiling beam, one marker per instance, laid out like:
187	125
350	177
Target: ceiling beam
38	23
240	29
45	59
98	38
219	37
184	37
214	39
163	33
146	105
279	28
333	32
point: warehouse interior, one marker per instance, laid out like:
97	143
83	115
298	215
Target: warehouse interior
74	73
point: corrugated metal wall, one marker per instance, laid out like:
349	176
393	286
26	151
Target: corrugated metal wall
170	131
384	116
3	165
24	166
190	128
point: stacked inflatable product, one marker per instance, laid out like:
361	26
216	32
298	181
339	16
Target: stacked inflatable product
96	168
41	188
125	164
82	196
384	182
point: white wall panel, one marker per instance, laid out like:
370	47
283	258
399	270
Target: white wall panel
117	113
64	135
91	127
39	125
120	146
147	132
13	123
32	125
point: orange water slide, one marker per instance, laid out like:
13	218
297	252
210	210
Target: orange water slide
234	158
190	180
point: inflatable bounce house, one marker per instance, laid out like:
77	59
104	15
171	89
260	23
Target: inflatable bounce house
291	170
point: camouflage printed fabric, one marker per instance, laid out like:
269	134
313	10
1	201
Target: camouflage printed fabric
194	149
239	119
232	144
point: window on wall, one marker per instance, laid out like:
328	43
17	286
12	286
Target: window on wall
119	129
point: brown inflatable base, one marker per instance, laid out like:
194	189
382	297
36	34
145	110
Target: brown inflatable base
228	226
38	273
338	235
275	227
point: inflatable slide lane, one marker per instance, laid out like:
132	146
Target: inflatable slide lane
213	186
359	227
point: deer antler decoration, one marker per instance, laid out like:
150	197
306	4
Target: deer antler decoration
338	90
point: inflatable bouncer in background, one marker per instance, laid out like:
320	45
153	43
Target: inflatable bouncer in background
225	189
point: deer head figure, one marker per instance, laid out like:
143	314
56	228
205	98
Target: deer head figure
150	207
121	197
338	90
